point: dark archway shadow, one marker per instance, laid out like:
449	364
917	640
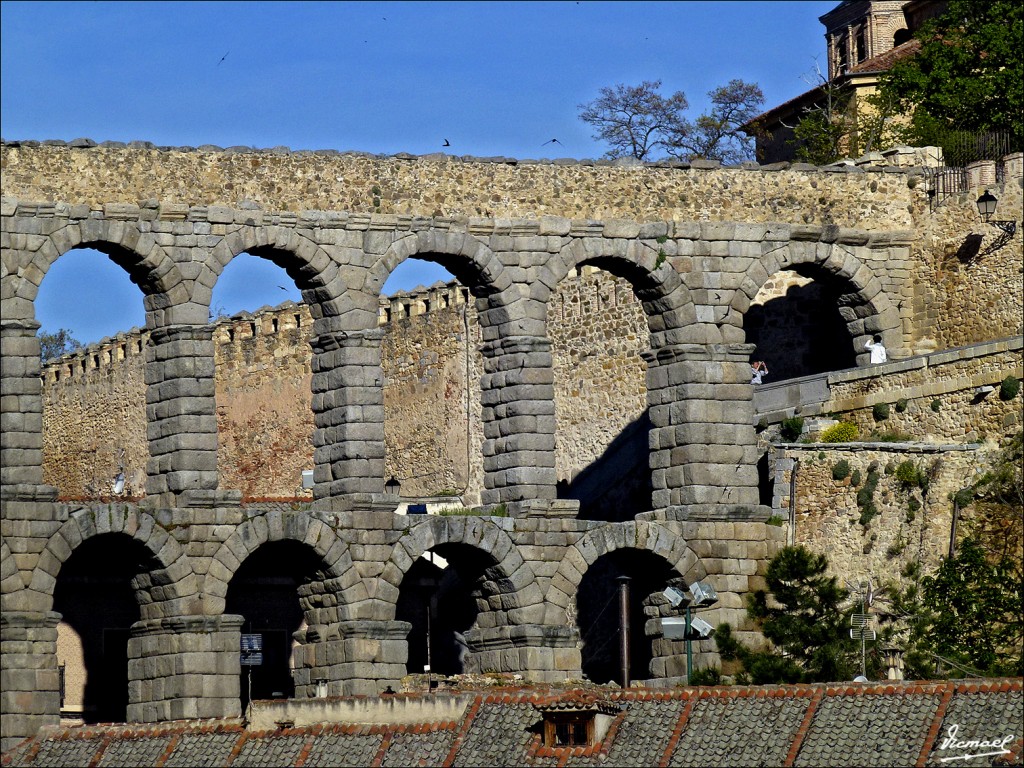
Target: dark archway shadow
96	598
597	603
265	592
802	332
453	591
616	486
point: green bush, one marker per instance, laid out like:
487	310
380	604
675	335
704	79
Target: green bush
1009	388
855	478
843	432
880	411
775	520
841	470
901	405
792	428
866	496
935	405
908	474
706	676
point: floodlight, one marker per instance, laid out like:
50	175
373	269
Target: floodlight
673	627
676	597
703	594
700	627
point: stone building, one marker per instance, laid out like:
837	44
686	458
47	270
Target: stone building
336	594
864	38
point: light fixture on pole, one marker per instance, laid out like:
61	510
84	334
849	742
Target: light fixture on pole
392	487
986	209
699	595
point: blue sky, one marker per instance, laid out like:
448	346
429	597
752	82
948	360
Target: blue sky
493	78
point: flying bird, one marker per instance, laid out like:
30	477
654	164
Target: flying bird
222	58
551	141
282	288
446	143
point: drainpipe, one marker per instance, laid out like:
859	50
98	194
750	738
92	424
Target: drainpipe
624	628
792	502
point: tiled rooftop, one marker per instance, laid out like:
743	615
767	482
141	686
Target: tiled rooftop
863	725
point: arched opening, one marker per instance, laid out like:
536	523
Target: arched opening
265	592
598	330
97	601
797	323
92	335
901	36
432	368
262	374
598	613
442	595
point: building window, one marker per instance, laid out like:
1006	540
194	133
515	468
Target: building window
569	730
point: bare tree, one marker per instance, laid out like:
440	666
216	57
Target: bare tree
717	135
636	120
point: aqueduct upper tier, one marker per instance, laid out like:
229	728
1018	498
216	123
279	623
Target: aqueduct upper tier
695	242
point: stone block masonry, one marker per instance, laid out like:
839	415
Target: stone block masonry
695	245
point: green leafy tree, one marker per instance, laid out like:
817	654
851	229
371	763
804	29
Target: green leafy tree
56	344
967	75
637	121
974	612
805	619
834	126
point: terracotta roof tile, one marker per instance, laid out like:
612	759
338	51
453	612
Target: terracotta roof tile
334	750
744	731
868	729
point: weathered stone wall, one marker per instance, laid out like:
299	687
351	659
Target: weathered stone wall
433	432
962	293
910	525
943	402
443	185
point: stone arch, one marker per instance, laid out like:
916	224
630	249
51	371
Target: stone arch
10	576
176	577
277	526
148	265
639	534
307	263
476	532
665	298
469	259
837	260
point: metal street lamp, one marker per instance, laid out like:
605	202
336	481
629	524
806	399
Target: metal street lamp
699	595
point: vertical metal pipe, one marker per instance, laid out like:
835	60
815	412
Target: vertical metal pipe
689	645
624	628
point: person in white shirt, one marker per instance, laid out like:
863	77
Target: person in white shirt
877	350
758	370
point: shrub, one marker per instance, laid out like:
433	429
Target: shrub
935	405
843	432
901	405
706	676
841	470
866	497
792	428
1009	387
908	474
775	520
855	478
880	411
